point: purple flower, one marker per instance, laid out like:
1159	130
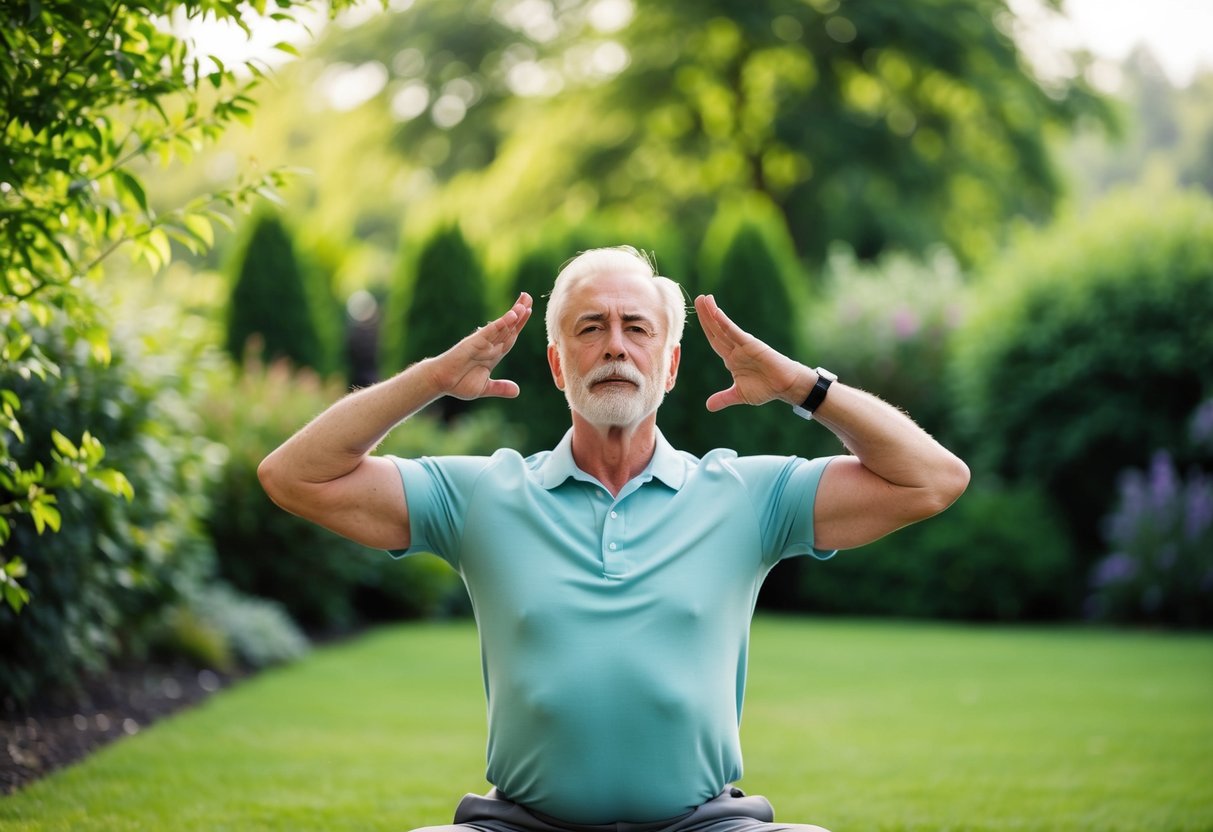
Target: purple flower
1198	513
905	323
1122	526
1164	481
1200	429
1116	568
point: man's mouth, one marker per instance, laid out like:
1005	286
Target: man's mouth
614	380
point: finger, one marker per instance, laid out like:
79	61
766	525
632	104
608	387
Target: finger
706	308
507	326
728	329
725	398
500	388
509	336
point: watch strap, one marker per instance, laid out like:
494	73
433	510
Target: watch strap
817	395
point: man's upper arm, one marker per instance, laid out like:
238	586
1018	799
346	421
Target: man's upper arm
855	506
368	505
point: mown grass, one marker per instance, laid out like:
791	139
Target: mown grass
851	725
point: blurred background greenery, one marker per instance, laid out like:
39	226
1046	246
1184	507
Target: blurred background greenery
1022	259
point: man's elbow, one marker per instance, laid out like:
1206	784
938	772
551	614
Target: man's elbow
949	482
269	474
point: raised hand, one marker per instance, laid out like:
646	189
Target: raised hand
760	373
465	370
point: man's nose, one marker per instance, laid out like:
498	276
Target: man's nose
615	347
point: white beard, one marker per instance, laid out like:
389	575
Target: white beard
615	405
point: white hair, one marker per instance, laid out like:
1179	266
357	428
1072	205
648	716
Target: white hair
598	261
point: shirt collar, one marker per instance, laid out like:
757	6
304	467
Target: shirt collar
667	465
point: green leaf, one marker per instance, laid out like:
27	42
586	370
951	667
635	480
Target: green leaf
132	186
188	240
64	445
222	219
91	449
99	345
44	513
200	228
16	596
287	47
113	482
159	240
270	194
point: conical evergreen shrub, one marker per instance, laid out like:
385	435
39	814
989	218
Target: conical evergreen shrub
437	298
749	265
272	300
546	412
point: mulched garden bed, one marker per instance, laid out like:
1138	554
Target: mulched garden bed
48	736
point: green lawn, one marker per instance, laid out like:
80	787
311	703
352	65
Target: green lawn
852	725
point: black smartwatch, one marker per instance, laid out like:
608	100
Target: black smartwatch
817	395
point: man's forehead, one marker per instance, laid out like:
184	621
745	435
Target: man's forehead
628	294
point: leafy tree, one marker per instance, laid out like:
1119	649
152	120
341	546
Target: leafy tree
271	299
883	125
1167	137
880	124
87	90
438	298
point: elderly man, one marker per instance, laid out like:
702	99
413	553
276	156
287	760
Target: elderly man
613	578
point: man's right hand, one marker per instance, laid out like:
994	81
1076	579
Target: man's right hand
326	472
465	370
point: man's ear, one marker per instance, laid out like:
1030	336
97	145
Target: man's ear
554	364
675	359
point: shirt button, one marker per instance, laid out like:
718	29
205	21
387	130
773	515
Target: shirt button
612	547
614	514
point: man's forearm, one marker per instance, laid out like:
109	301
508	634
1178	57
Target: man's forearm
335	442
887	441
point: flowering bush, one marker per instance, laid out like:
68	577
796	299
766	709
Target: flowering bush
887	327
1161	533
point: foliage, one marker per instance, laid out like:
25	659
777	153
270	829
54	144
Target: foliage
748	264
1081	353
816	105
546	412
1167	134
100	584
998	554
437	298
86	90
259	633
324	581
275	299
886	326
1160	569
883	125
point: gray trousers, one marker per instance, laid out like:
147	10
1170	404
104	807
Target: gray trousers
730	811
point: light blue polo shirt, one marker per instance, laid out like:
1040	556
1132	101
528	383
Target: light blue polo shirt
613	630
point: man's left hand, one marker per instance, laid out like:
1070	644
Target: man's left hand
760	373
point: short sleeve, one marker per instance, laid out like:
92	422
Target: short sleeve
783	490
438	490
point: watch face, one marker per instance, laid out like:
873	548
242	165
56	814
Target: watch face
826	374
